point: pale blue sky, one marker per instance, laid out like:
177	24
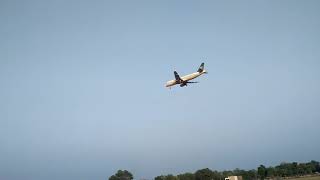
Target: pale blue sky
82	86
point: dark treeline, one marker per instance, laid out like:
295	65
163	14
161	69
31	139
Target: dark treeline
262	172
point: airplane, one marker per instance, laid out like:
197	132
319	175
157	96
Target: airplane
185	80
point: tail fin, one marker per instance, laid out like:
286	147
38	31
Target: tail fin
201	68
176	75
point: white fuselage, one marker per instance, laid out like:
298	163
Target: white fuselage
185	78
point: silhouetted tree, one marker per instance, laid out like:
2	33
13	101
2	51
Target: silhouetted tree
246	175
186	176
167	177
204	174
159	178
122	175
262	171
227	173
270	172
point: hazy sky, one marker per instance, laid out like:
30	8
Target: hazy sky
82	86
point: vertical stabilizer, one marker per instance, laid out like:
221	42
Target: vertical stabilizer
201	68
